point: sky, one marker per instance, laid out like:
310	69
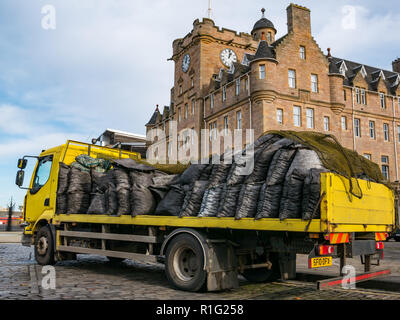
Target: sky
103	63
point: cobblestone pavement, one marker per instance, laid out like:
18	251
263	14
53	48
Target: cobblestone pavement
93	277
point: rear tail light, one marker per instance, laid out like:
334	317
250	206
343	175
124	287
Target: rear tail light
325	250
379	245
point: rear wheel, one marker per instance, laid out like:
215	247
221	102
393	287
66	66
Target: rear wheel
44	247
259	275
184	266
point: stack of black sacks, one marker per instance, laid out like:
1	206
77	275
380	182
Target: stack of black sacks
284	183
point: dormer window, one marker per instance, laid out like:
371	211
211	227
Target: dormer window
237	86
363	72
245	61
343	69
397	81
212	101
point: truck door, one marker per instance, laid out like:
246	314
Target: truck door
39	195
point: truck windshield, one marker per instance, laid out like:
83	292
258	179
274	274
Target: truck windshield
42	173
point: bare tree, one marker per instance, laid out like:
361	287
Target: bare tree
10	213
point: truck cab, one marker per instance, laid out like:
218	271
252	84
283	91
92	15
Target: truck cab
41	195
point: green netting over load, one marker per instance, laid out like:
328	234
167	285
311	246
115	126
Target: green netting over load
336	158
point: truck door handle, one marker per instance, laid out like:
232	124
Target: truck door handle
47	202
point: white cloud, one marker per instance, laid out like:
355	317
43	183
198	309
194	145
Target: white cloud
372	38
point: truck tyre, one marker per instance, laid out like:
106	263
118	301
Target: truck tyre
184	265
260	275
44	247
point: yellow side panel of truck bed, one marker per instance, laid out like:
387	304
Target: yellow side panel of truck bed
376	207
373	213
72	149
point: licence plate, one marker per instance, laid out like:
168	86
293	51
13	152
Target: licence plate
320	262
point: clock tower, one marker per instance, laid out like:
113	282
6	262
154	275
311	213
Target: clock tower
199	58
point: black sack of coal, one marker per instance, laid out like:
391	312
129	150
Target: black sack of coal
121	178
78	203
143	201
263	158
100	180
111	199
304	161
159	192
236	174
164	180
79	181
248	199
206	172
62	203
142	178
280	165
191	174
290	207
269	202
229	199
63	176
172	203
124	202
97	204
219	173
130	164
265	139
192	202
311	194
210	202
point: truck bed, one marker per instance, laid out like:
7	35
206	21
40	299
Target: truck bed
339	213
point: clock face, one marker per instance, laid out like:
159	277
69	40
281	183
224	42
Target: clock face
186	63
228	56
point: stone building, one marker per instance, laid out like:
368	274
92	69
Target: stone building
226	80
125	140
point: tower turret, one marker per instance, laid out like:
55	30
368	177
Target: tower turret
266	26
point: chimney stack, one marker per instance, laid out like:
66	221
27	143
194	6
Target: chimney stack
298	19
396	65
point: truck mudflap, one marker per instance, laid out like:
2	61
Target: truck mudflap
222	270
26	239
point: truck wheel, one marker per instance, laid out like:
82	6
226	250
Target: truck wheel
397	239
185	263
44	247
260	275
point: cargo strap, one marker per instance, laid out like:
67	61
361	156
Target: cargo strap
315	210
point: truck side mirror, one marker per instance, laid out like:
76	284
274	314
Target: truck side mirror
22	163
19	180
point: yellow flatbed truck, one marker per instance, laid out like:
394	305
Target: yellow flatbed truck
201	252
